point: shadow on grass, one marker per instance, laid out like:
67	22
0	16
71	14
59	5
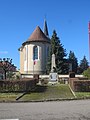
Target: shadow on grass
37	89
40	88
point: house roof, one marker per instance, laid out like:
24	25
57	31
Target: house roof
37	36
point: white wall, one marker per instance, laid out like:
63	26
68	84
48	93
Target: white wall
40	65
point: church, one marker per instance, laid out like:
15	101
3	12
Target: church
34	52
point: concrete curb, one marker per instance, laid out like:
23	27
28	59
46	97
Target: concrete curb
72	92
47	100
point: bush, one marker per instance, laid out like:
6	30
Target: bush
79	85
10	75
82	85
44	81
13	75
17	85
86	73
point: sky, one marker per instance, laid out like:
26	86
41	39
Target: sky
19	18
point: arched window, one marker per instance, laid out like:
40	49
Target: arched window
35	52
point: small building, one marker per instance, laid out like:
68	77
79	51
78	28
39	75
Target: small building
34	52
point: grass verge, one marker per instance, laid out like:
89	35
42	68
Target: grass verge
82	94
4	97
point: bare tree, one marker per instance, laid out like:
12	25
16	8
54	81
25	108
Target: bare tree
6	66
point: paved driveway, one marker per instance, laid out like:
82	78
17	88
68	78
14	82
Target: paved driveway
63	110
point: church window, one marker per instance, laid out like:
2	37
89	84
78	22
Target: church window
35	52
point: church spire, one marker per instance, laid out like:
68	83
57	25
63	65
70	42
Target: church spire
45	28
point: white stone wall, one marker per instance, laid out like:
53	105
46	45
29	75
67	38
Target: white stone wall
26	58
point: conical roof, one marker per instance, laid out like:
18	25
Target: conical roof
38	36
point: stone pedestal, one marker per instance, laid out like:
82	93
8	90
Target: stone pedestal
53	77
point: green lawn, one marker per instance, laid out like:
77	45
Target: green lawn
9	96
49	92
82	94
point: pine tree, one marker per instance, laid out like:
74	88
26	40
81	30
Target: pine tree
83	65
48	66
73	60
60	53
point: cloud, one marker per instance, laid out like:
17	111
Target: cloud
3	52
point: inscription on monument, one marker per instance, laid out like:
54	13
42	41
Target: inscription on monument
53	77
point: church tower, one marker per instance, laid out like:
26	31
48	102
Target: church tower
45	28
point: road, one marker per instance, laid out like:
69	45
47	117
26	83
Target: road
61	110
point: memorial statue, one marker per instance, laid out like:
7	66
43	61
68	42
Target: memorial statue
53	76
53	64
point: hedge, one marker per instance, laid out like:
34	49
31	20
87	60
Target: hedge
79	85
17	85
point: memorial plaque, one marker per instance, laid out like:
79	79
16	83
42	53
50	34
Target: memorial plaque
53	77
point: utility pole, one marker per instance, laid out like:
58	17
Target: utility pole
89	40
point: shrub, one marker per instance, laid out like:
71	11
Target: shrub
86	73
17	85
44	81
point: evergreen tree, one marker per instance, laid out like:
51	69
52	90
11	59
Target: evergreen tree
60	53
73	60
83	65
48	66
